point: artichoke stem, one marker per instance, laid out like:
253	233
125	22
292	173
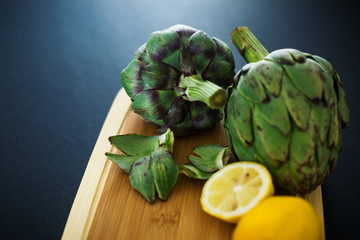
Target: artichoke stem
205	91
248	45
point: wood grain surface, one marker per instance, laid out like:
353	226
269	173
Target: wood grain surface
124	214
117	211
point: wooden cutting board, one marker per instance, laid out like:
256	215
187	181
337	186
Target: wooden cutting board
107	207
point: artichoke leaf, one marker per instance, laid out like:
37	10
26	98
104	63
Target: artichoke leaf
337	149
223	52
270	74
131	79
164	171
294	176
343	107
269	142
335	127
210	157
236	78
298	56
309	77
202	117
142	56
152	105
251	87
297	104
320	120
193	172
129	144
275	113
186	63
221	67
162	44
123	161
174	60
303	160
331	76
184	127
203	49
239	113
323	155
184	32
158	75
302	146
142	180
177	112
220	72
324	63
310	177
242	150
140	145
281	56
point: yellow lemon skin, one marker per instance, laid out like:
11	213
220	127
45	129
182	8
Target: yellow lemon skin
280	218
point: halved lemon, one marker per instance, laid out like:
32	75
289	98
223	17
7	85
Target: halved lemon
235	189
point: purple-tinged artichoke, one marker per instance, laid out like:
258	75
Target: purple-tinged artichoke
177	79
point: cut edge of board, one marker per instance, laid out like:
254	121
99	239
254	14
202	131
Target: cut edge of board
92	184
315	198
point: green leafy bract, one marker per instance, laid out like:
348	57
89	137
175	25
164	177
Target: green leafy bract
148	161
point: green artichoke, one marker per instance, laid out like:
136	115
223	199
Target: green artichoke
286	111
177	79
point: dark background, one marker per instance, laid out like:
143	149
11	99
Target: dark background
60	64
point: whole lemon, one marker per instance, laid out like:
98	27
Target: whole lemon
280	218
